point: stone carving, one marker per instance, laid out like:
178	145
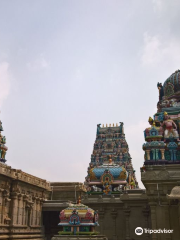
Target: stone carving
175	193
163	175
149	175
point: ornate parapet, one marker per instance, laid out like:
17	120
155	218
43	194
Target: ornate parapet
156	173
67	190
16	174
21	199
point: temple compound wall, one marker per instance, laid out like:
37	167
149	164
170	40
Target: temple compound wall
119	214
163	195
21	199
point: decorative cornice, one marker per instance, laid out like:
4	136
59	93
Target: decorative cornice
16	174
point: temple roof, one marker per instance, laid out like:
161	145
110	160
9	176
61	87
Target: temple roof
172	84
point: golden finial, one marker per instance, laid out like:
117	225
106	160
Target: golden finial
106	125
113	124
150	119
103	125
116	125
165	113
110	125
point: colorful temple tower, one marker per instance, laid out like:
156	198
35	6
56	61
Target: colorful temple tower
3	148
110	169
162	137
161	171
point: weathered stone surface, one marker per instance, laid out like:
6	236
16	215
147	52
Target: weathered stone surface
21	199
163	194
175	193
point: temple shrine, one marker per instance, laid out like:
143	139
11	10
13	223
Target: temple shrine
3	148
110	169
78	219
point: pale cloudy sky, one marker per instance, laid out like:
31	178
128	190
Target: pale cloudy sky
66	66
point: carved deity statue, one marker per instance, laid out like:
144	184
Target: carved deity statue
170	127
122	127
161	91
110	160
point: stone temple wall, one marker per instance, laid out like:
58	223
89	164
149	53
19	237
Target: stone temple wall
21	199
119	214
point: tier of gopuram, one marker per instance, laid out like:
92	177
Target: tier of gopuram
109	204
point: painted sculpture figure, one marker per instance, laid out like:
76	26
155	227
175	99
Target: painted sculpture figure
3	148
170	127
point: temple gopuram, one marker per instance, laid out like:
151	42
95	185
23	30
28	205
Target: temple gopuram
162	137
110	170
160	173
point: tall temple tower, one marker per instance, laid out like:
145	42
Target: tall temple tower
3	148
161	171
110	169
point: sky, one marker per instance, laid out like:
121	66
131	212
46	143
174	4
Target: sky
66	66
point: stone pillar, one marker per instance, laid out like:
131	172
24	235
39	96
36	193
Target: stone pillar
24	209
148	154
33	216
1	207
174	153
25	212
171	152
154	154
114	215
162	154
101	217
146	215
167	222
20	209
14	205
179	213
38	212
153	219
157	156
127	214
